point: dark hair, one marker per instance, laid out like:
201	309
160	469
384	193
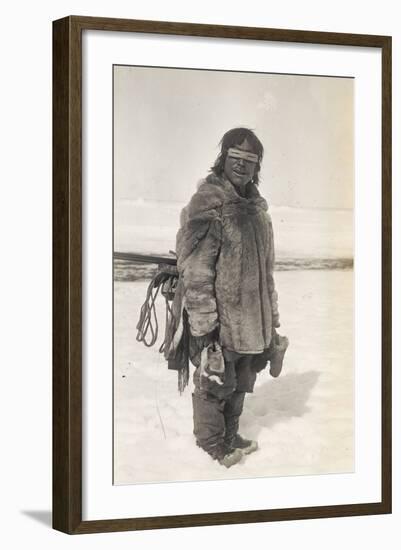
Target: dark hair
234	137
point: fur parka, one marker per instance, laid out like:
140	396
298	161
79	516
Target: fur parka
225	259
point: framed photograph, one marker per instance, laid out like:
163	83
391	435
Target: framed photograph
221	274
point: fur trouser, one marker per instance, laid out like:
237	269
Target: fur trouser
217	407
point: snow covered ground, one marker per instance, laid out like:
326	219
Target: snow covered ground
303	420
151	226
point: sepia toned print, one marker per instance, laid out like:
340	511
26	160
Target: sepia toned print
244	180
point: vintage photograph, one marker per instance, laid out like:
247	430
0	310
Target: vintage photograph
233	282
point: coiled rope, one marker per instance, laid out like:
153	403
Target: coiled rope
148	325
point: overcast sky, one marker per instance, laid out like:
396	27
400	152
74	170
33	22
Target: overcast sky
168	124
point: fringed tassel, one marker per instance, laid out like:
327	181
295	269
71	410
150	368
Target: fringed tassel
182	357
183	378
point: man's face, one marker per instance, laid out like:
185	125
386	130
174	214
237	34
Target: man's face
240	170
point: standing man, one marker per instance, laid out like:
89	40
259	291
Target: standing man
226	304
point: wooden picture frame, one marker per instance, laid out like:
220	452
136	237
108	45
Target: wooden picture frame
67	273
